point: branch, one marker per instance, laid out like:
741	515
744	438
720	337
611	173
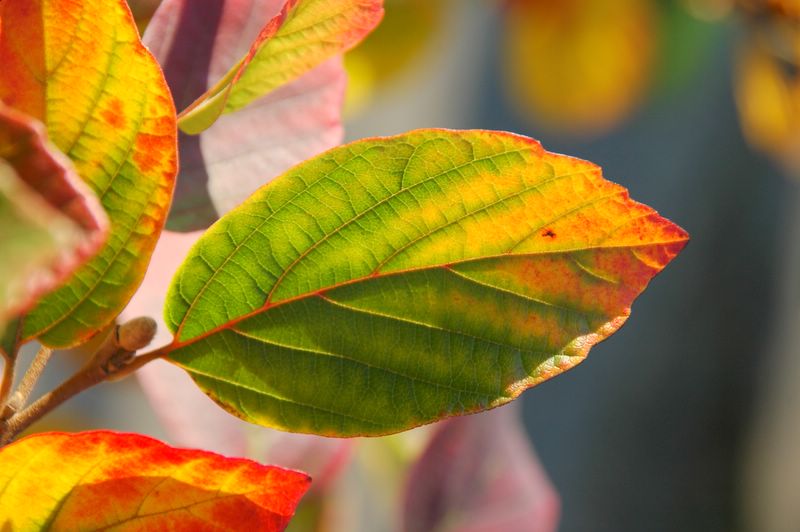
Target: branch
9	368
10	341
29	380
73	386
137	362
114	354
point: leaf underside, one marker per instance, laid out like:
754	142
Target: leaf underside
395	281
50	222
479	473
33	248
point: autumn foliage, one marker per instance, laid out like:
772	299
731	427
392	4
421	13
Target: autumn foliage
354	290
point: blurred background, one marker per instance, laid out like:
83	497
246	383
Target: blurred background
689	417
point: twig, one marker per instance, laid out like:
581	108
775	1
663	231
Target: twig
114	355
29	380
137	362
9	369
73	386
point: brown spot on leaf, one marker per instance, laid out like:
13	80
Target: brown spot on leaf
548	233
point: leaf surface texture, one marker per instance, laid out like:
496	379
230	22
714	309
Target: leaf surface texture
395	281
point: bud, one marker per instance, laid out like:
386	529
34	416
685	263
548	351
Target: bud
136	333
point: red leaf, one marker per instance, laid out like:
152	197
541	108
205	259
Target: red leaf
134	482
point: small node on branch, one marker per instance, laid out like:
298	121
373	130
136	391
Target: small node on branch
11	407
122	343
112	361
136	333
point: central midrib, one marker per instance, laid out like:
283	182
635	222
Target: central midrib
178	343
288	202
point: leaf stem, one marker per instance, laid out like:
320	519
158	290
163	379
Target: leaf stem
139	361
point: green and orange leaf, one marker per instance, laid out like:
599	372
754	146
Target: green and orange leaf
131	482
50	222
396	281
301	36
79	67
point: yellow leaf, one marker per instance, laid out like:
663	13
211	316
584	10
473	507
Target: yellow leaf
767	88
79	67
579	66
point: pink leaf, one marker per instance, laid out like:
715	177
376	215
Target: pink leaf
479	474
196	43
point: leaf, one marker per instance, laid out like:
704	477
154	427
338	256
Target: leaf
301	36
50	222
408	30
479	474
79	67
395	281
196	43
132	482
191	418
767	90
580	66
